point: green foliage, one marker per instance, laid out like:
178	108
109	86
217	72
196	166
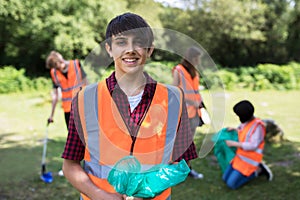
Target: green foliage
211	80
160	71
13	80
228	78
41	83
239	33
262	77
261	83
234	32
31	29
281	77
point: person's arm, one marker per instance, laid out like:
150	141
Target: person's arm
176	78
184	147
54	103
81	181
232	143
85	81
83	74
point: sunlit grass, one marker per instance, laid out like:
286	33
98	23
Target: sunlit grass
23	125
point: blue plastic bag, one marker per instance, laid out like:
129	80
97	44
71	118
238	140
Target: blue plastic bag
127	178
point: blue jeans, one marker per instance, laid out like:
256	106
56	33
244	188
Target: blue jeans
234	179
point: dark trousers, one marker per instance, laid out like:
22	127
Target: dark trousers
67	117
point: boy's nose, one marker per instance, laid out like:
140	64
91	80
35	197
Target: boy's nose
130	48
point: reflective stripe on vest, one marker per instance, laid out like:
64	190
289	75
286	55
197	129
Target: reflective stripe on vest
190	89
186	86
247	161
68	85
96	164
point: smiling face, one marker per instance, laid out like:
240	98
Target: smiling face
61	65
129	53
56	61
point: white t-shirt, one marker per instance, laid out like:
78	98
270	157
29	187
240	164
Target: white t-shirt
135	100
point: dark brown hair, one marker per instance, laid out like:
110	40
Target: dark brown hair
129	23
191	53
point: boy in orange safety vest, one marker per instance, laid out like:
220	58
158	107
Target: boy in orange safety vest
128	113
69	76
247	163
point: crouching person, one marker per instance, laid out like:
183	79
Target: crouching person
247	163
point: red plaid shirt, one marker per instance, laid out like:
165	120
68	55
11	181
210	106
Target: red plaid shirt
184	147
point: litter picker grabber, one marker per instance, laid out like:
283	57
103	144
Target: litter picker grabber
45	176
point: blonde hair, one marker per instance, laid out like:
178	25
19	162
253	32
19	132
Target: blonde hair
52	59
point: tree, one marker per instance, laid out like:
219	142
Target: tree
293	39
225	28
31	29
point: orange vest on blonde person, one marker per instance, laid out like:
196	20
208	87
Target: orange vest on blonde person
247	162
108	140
191	90
69	86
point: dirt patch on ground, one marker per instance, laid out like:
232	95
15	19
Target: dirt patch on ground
283	163
287	163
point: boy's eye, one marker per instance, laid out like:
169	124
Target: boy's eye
121	42
57	64
140	43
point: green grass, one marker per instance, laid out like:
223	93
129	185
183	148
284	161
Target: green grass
23	125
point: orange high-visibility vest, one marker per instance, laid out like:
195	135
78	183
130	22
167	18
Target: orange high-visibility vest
107	139
244	161
190	88
69	86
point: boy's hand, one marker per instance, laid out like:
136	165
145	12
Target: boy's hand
132	198
49	120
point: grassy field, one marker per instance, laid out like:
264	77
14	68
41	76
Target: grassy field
23	125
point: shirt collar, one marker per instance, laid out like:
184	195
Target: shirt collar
112	84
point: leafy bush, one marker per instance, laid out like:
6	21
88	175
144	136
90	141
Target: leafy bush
262	77
211	80
160	71
13	80
228	78
261	83
41	83
266	76
281	77
296	72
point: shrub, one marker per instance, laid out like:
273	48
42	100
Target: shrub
296	71
13	80
261	83
160	71
228	78
281	77
262	77
211	80
41	83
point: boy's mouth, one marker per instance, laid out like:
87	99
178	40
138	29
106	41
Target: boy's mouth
130	60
